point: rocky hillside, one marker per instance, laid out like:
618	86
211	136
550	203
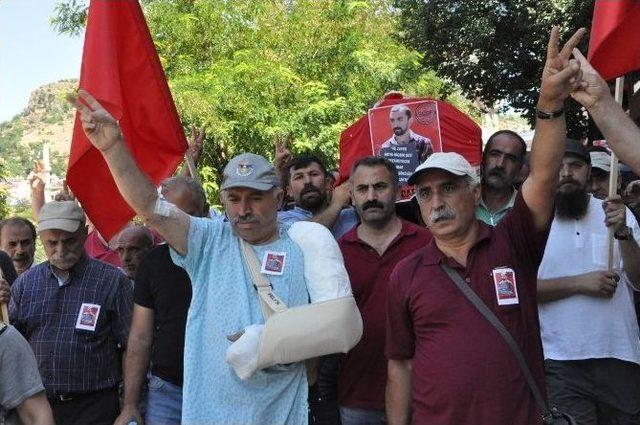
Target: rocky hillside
48	118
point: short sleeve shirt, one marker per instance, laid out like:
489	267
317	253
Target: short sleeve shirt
363	376
224	302
19	377
463	372
166	289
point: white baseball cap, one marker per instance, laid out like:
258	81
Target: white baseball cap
601	160
451	162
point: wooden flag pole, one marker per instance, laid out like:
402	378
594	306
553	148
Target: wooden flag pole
4	311
613	177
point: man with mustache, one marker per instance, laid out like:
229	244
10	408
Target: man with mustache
18	239
371	250
244	345
587	319
502	160
447	364
400	119
75	313
308	183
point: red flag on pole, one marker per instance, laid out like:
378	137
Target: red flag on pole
614	43
121	69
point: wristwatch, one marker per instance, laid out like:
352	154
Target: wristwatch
549	115
626	234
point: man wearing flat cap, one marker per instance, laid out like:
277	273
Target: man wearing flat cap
75	313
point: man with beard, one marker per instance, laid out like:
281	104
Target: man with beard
75	312
502	162
18	239
587	319
371	250
447	364
401	118
308	184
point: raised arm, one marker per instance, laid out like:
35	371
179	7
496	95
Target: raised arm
561	75
103	131
622	134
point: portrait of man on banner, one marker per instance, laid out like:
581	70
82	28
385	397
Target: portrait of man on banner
406	134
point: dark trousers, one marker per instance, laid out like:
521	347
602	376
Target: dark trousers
595	391
96	408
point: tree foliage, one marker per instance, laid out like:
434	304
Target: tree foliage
493	49
246	70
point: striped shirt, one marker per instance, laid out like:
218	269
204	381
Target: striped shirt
76	329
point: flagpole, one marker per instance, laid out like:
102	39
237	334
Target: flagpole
613	177
4	311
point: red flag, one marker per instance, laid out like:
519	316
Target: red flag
614	44
121	69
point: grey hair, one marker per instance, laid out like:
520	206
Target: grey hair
193	186
144	229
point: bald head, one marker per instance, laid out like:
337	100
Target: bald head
132	244
186	194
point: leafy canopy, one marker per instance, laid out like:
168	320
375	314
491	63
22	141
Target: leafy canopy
246	70
493	49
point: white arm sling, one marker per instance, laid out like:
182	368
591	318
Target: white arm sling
330	324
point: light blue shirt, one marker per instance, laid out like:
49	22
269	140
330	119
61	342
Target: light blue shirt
344	222
224	301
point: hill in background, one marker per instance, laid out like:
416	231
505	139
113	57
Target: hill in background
48	118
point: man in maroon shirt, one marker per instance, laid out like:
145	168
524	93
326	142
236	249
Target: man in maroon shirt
371	250
447	364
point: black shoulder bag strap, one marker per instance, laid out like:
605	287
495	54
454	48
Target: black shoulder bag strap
547	415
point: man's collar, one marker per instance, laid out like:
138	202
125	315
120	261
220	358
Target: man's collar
432	254
75	270
406	230
302	211
508	205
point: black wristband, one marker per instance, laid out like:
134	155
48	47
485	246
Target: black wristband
549	115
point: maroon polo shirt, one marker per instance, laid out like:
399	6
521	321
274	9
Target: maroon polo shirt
463	372
363	371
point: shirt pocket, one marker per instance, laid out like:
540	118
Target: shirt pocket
600	252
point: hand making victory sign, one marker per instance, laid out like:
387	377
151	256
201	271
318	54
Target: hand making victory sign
102	130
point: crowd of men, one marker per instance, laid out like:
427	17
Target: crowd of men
203	318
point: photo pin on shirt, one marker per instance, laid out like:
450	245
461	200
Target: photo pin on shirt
504	281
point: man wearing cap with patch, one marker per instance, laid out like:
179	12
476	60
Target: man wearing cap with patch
75	313
447	363
587	317
244	342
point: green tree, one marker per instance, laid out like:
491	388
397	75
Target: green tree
493	49
246	70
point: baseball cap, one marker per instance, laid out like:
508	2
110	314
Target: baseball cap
451	162
249	170
576	148
61	215
601	160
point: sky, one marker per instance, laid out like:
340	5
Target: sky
31	53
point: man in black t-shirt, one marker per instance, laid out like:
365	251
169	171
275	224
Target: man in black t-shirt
161	300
